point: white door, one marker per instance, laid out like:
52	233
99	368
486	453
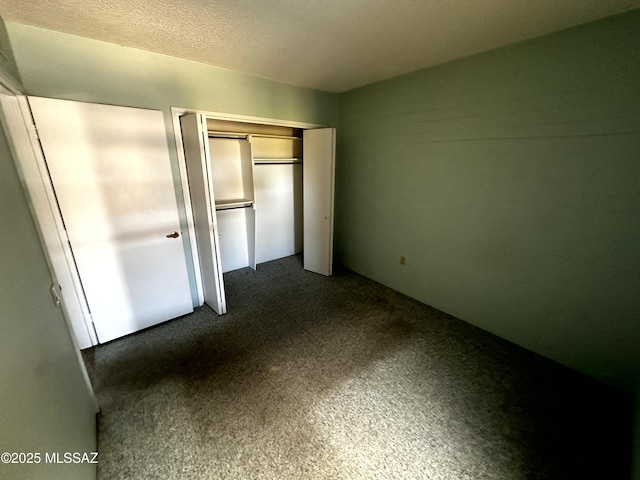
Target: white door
111	172
198	160
318	189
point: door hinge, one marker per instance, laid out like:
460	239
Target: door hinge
55	294
33	130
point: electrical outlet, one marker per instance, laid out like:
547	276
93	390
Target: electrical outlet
403	260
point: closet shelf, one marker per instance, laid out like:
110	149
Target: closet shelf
276	161
228	204
217	133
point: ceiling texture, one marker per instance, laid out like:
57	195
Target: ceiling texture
331	45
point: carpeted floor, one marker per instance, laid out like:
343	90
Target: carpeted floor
310	377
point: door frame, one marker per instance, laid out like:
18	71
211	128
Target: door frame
32	169
176	112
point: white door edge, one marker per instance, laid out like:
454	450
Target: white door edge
36	181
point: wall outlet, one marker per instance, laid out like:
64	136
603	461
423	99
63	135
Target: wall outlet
403	260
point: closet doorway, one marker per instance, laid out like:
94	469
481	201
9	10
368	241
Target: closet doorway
255	190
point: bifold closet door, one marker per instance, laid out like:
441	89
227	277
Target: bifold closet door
198	159
318	190
111	173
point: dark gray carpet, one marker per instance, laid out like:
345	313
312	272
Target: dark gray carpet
310	377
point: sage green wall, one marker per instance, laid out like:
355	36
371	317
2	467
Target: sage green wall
8	65
510	181
59	65
46	405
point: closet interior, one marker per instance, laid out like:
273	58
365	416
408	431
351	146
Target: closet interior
258	192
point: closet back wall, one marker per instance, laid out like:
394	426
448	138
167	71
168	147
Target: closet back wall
510	183
59	65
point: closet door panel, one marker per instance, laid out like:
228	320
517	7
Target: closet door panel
196	152
278	210
318	189
111	173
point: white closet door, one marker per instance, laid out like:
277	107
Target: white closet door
111	173
318	188
198	160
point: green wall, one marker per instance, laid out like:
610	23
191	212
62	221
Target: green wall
59	65
510	181
8	65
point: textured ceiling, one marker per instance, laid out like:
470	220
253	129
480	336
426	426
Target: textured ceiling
332	45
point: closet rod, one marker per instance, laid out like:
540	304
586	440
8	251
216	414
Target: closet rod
212	134
276	161
285	137
230	205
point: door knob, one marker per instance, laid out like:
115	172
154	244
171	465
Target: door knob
173	235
